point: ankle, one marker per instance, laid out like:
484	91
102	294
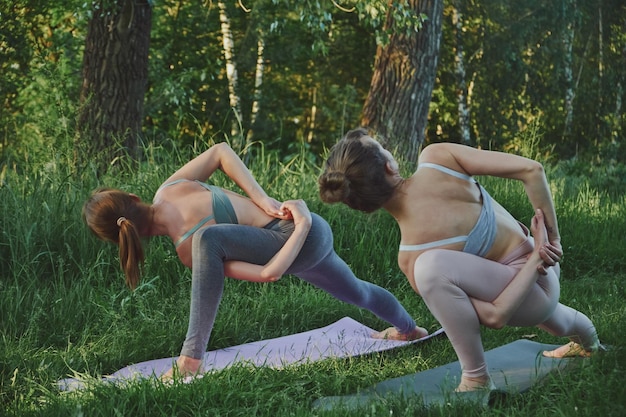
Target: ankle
474	383
188	366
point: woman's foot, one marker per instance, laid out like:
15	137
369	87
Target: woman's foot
475	383
569	350
185	367
392	333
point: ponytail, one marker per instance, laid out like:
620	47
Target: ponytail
118	217
131	252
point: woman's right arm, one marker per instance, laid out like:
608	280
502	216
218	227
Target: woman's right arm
221	156
499	164
497	313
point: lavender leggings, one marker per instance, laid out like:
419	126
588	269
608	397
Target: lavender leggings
446	279
317	264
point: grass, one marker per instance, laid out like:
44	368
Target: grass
64	308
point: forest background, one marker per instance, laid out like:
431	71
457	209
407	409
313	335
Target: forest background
291	73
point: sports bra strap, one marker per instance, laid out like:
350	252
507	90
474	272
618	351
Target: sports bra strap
434	244
446	170
193	230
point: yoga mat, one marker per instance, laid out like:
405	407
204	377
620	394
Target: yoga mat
514	368
346	337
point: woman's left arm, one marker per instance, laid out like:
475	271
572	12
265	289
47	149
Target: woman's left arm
497	313
276	267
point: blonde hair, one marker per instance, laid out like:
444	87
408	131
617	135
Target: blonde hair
354	174
119	217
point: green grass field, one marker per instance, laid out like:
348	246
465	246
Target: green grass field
64	309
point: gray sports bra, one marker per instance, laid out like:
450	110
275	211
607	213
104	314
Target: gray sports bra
481	237
223	211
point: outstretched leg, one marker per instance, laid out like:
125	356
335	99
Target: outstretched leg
327	271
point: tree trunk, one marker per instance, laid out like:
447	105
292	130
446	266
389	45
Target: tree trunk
461	76
404	75
115	75
231	75
258	82
567	38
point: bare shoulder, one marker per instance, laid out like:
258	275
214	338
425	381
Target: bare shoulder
204	165
445	154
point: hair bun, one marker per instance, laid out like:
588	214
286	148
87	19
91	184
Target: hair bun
334	187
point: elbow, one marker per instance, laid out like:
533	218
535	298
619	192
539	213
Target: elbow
535	170
270	276
497	324
222	146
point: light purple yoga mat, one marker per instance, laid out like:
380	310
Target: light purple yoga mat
344	338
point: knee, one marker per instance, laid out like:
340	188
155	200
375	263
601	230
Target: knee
205	240
427	271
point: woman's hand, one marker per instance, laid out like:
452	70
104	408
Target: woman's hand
272	207
549	252
276	267
298	211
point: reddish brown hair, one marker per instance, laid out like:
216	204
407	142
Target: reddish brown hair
119	217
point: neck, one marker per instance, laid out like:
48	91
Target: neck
396	202
158	223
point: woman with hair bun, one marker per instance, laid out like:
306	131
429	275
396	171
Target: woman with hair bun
468	258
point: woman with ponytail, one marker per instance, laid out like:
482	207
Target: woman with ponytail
220	233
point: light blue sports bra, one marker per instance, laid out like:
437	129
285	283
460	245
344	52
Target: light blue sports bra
481	237
223	211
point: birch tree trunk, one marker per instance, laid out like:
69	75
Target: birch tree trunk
115	76
461	76
404	76
231	75
258	82
567	39
309	138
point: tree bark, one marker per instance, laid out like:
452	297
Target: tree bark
115	75
258	83
231	75
567	38
462	96
404	76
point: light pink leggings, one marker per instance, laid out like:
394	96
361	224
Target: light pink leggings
446	279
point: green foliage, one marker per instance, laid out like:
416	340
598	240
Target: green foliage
515	63
318	65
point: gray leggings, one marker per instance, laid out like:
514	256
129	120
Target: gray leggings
317	263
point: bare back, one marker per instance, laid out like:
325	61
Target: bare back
181	206
433	206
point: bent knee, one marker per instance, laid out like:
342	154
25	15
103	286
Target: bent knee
428	270
207	239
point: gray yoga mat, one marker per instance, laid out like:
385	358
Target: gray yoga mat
514	368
